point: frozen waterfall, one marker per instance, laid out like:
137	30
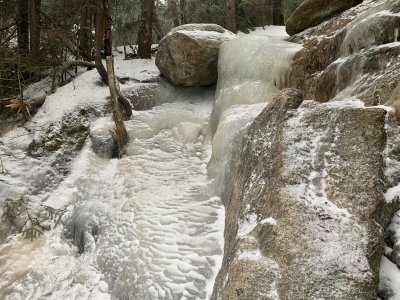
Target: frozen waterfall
251	69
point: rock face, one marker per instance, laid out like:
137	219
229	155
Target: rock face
356	54
188	55
313	12
305	212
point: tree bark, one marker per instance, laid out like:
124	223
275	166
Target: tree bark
278	18
119	134
99	34
145	30
107	27
173	11
103	28
230	21
182	12
34	27
85	33
23	27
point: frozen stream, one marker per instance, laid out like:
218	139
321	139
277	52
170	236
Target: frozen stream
147	226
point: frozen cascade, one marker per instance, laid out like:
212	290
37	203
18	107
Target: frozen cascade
150	225
251	69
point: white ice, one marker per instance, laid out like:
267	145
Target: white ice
151	223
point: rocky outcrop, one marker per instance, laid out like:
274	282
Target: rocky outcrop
353	54
188	55
305	212
313	12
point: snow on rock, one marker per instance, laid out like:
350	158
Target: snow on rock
389	285
308	194
353	54
188	54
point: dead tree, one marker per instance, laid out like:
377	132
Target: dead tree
119	134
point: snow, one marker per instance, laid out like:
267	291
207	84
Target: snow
208	35
389	279
269	30
84	90
269	221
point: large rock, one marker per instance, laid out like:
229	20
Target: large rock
305	213
353	54
188	55
313	12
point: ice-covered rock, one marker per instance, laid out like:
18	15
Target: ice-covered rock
353	54
313	12
316	170
102	142
188	55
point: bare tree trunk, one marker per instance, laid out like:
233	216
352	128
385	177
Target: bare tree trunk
173	11
103	29
182	12
278	18
85	33
99	34
23	27
230	21
268	12
107	27
145	30
119	134
34	27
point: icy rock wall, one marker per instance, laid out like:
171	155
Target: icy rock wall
353	54
306	204
251	70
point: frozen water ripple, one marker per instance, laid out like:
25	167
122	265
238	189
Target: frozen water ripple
148	225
